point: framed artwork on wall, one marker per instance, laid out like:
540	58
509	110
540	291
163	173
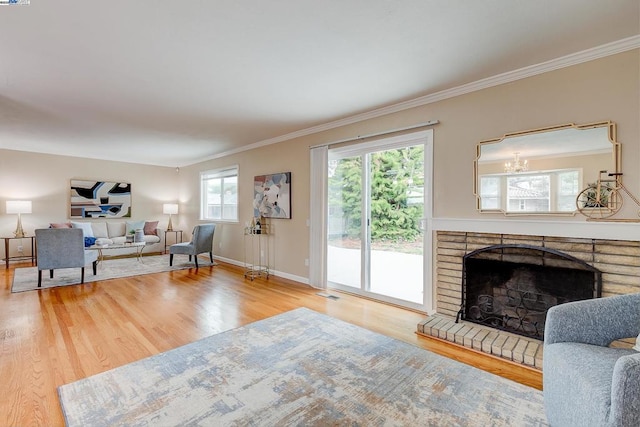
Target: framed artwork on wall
272	195
100	199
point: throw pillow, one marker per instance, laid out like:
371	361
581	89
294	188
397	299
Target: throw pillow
60	225
99	229
134	225
637	346
151	228
116	229
87	231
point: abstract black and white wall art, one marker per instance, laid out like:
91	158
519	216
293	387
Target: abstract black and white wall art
272	195
100	199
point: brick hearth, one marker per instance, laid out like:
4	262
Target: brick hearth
499	343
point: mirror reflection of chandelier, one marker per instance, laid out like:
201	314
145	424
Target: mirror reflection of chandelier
517	165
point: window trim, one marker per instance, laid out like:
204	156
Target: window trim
223	172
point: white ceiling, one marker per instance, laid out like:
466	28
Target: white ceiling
176	82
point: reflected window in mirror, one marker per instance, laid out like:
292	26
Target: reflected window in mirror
539	192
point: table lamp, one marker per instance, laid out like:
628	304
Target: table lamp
19	207
170	209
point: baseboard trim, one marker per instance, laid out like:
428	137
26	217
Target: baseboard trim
293	277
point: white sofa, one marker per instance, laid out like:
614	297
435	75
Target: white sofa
115	232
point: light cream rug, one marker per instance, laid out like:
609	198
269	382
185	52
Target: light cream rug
300	368
26	279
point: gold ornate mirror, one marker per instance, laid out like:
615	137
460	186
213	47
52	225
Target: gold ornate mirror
541	171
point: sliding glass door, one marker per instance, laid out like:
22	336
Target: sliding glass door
378	211
345	231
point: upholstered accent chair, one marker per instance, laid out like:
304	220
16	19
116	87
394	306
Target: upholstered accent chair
586	382
201	242
63	248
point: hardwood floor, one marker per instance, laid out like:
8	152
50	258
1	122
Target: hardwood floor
56	336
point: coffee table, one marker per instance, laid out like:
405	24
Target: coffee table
137	246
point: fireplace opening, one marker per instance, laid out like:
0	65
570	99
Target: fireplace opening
511	287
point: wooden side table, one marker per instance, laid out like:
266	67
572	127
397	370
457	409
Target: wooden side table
175	238
33	256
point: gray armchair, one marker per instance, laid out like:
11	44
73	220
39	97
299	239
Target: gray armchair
201	241
62	248
587	383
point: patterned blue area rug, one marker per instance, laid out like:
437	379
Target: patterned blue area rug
299	368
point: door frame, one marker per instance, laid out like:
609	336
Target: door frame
424	137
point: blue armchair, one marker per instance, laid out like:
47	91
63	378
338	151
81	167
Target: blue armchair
201	241
587	383
62	248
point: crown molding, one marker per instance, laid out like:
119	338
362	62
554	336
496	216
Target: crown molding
613	48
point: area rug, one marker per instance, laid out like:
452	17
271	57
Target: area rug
299	368
26	279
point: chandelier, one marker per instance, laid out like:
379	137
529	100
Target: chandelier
517	165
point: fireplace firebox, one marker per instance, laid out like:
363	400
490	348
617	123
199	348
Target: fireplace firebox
511	287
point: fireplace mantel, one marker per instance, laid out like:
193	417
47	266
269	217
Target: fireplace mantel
535	226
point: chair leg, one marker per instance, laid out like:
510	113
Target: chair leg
189	258
195	257
211	257
170	260
95	267
39	278
82	275
50	274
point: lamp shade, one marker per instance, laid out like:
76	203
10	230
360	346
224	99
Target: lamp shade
18	206
170	208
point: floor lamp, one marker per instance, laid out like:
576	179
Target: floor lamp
170	209
19	207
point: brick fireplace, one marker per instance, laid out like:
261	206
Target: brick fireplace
511	286
614	263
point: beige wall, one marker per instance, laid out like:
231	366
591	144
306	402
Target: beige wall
604	89
45	180
289	244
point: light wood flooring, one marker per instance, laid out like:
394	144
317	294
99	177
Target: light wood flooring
56	336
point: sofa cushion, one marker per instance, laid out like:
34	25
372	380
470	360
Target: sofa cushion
116	229
151	228
133	226
87	231
99	229
60	225
151	239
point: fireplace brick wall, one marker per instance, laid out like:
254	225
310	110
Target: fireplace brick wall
618	260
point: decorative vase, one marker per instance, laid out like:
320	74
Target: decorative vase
138	236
